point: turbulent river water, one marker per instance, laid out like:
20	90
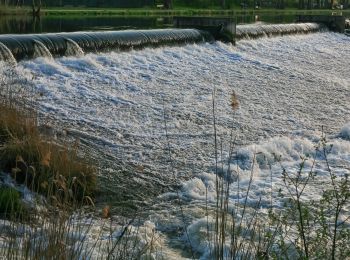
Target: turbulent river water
147	116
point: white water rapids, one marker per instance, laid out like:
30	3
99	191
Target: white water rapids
121	105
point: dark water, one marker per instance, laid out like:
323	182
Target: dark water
28	24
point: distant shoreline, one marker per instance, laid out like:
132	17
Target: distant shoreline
159	12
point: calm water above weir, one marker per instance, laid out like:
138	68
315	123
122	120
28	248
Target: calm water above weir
26	24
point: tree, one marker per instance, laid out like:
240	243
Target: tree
19	3
301	4
309	4
223	4
168	4
36	6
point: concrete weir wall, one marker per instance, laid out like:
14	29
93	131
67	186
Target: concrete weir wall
222	29
334	23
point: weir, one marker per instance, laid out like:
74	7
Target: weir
333	23
222	29
225	29
61	44
261	30
193	30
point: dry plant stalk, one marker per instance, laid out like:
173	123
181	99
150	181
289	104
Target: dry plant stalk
42	165
106	212
234	101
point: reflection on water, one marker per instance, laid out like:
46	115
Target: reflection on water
28	24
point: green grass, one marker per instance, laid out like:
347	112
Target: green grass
10	203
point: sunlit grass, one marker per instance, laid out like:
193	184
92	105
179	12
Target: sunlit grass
40	164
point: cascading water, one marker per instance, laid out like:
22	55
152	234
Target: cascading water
117	104
261	30
73	49
76	44
40	50
29	46
6	54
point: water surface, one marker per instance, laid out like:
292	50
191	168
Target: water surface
27	24
146	116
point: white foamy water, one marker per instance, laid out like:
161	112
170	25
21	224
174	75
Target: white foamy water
118	104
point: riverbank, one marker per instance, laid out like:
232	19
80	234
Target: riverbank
72	11
37	161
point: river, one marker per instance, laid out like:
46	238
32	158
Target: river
146	117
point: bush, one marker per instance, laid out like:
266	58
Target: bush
10	203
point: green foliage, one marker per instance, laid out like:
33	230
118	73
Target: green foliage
94	3
10	203
197	3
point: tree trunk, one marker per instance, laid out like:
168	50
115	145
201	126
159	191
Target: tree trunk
19	3
223	4
301	4
168	4
36	8
309	3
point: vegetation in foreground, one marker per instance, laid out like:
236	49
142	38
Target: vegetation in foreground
303	228
43	166
62	188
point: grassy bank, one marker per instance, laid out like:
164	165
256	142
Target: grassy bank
10	10
60	227
72	11
42	165
180	12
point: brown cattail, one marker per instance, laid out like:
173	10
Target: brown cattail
46	159
234	101
106	212
140	168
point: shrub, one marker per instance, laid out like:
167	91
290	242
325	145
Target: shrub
10	203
